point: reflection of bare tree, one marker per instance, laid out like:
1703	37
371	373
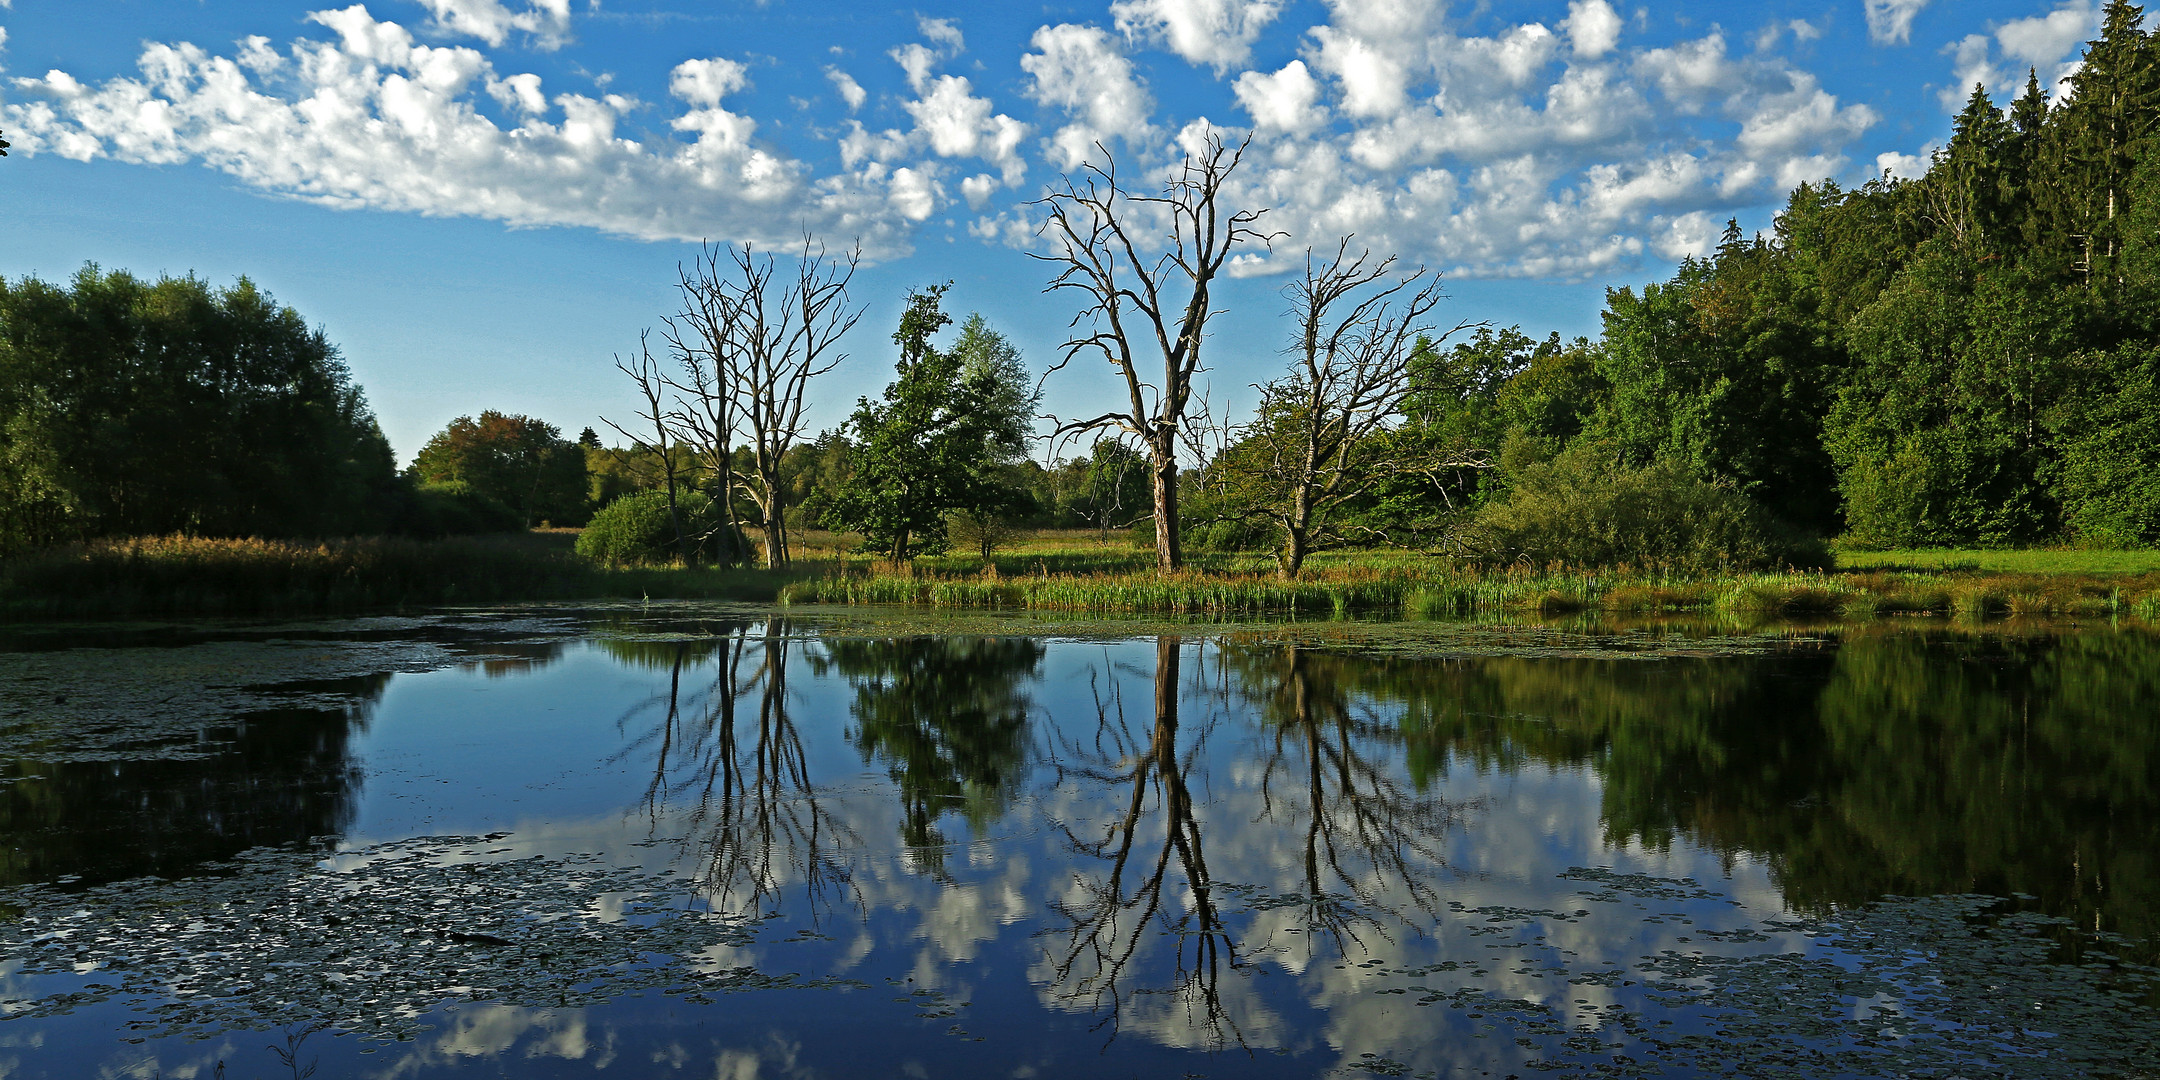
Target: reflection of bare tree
1108	917
730	748
1365	834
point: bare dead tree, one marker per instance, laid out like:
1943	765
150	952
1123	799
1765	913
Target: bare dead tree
652	383
1316	442
762	335
1146	299
704	409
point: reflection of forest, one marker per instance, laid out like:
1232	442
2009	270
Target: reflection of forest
277	777
1900	763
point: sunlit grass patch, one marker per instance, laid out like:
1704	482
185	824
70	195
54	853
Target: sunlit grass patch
2003	561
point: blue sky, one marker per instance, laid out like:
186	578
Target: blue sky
482	201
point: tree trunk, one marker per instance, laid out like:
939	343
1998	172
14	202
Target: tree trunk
1169	553
1292	557
775	542
1166	718
1297	533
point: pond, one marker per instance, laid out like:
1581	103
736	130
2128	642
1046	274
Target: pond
712	841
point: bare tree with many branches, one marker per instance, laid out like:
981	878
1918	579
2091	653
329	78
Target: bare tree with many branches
645	370
748	341
1147	299
1319	439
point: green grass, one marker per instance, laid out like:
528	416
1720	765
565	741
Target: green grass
2004	561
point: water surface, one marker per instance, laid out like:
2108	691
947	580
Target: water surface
722	842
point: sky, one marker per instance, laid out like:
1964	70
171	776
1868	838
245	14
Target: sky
483	202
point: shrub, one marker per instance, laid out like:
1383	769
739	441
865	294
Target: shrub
1582	509
451	508
636	529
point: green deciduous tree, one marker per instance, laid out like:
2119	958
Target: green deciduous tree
130	407
928	447
523	463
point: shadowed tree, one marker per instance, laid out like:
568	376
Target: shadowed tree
521	462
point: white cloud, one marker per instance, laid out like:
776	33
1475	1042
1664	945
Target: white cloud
1218	33
2047	39
705	82
850	90
1079	71
1904	166
942	32
1373	82
1285	101
1889	22
2048	44
1480	153
1592	27
1557	149
547	22
375	121
956	123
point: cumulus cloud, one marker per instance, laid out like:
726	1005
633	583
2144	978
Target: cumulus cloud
1218	33
2048	45
374	120
1562	148
1079	71
1593	28
546	22
850	90
950	120
1285	101
1526	150
1889	22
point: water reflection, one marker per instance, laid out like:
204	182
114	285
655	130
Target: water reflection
1895	763
1176	844
274	777
1367	837
728	748
947	716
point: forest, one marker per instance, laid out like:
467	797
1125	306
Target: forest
1965	358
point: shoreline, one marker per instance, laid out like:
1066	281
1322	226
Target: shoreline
182	577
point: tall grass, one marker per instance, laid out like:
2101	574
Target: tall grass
179	575
1441	590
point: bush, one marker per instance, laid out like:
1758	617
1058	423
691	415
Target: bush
1582	509
452	508
636	529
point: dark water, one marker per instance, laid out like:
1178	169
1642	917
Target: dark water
719	843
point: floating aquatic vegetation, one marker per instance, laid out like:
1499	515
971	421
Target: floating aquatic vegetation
368	941
167	702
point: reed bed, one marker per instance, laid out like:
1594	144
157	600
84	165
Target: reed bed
1442	590
181	575
191	576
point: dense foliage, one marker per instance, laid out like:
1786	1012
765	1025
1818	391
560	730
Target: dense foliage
933	445
517	462
136	407
1968	357
639	528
